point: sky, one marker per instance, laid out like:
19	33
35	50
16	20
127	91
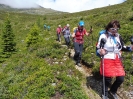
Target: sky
70	6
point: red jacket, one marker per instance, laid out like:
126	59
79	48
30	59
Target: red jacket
59	30
79	35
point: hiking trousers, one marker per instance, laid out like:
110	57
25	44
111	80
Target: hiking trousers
67	40
58	37
113	87
78	51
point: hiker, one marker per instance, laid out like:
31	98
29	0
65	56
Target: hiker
48	28
78	40
66	33
111	64
45	26
58	32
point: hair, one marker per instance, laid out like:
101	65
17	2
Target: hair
112	24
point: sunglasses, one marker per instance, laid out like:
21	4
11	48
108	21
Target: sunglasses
114	29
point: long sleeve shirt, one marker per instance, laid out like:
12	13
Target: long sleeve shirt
114	45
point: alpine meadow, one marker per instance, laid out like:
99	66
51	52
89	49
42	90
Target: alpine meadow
33	65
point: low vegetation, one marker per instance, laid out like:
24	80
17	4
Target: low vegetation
40	67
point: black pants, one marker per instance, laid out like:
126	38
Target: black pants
78	51
113	87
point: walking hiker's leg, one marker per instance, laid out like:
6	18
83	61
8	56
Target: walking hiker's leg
114	87
107	85
80	52
58	38
119	80
77	51
67	41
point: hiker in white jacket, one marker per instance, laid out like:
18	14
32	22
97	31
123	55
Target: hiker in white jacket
111	65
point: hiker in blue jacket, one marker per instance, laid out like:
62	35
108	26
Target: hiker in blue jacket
45	26
48	28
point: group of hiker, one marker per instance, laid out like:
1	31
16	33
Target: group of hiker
46	27
109	47
77	38
65	31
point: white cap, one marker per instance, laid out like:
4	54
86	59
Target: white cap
59	25
67	25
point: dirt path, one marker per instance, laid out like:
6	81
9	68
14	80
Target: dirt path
93	87
90	81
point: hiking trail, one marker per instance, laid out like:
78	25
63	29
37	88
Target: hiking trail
92	86
87	74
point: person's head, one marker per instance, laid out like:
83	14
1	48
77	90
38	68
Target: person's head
59	25
67	25
81	24
113	26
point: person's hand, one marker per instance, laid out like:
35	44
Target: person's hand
102	52
132	47
91	30
73	35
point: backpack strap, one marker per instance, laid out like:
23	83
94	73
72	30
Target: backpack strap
75	31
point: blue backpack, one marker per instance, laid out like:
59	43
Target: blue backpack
101	32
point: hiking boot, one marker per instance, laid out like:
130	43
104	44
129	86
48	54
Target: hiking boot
104	97
113	95
78	64
74	59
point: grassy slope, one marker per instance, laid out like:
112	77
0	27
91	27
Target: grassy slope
32	73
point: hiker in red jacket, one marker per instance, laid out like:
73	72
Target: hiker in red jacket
59	31
78	39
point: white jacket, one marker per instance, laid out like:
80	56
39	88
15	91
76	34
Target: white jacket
112	46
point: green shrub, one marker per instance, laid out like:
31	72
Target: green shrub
33	36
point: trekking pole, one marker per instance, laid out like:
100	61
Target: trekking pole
131	71
131	40
103	41
91	36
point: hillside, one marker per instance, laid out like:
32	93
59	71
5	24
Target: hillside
39	10
44	69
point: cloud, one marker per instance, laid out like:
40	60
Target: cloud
62	5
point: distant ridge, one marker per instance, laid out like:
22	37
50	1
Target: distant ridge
39	10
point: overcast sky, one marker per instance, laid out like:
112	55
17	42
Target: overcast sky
62	5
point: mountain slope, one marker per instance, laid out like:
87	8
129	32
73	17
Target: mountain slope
44	70
39	10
